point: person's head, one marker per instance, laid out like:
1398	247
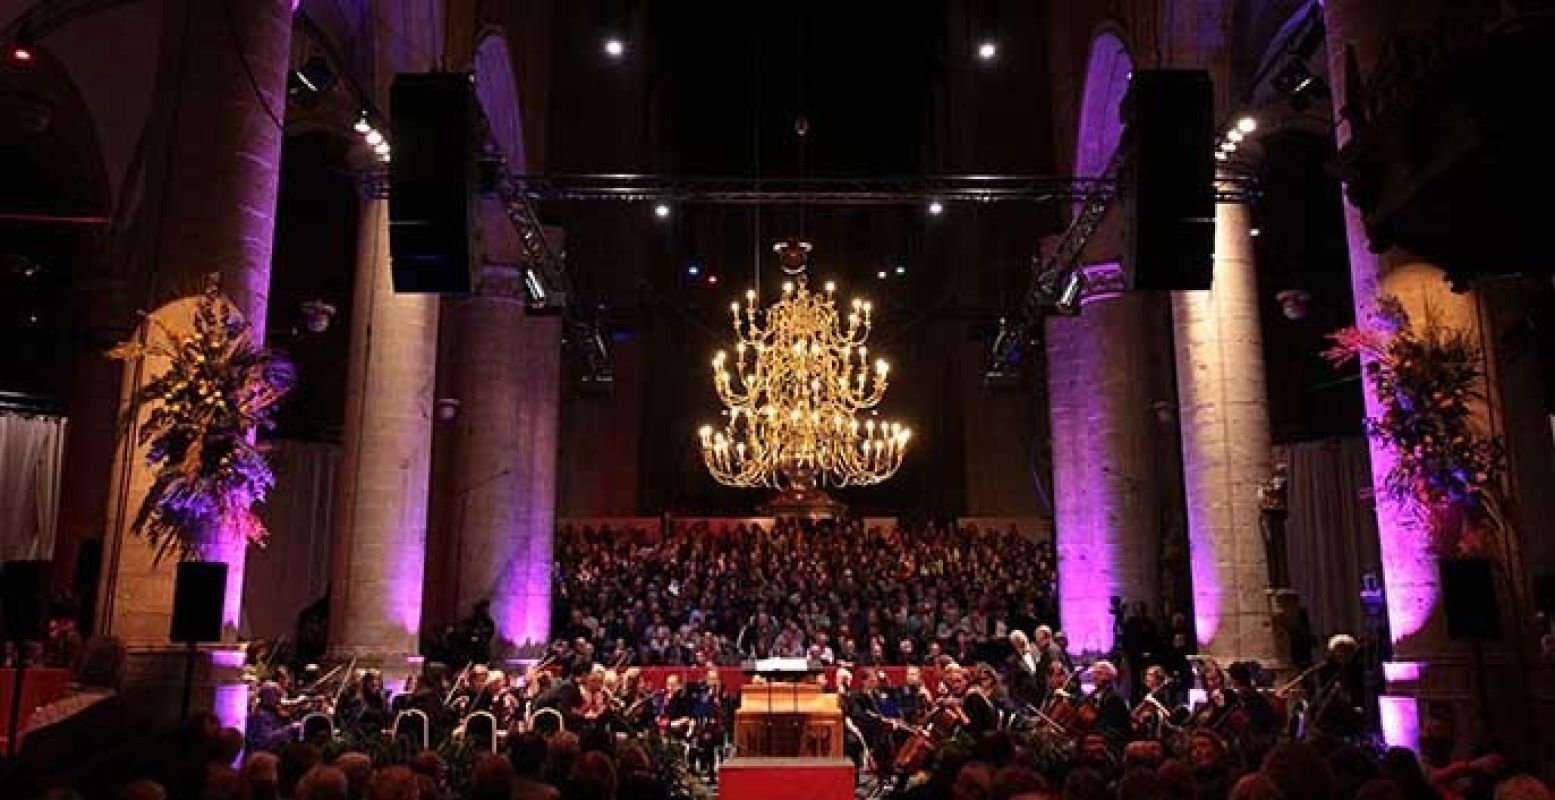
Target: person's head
1211	677
973	782
492	779
1342	647
323	783
1522	787
955	680
1019	641
1093	749
1155	677
1255	786
296	759
1103	673
1014	781
1042	636
358	769
1206	750
262	774
1057	676
713	679
1084	783
1143	753
394	783
270	695
594	777
1299	771
527	753
1061	641
913	677
478	675
672	683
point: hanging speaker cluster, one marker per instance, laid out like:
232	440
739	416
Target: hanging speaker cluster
1167	182
433	182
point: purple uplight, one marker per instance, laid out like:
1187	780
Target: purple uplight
1400	721
1408	568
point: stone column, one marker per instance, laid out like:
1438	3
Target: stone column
1107	502
213	169
1224	417
377	555
502	485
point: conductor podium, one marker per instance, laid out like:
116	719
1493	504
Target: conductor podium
788	739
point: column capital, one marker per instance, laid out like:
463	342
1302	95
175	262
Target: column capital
1103	281
501	281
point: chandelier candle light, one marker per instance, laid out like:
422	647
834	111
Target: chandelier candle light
801	380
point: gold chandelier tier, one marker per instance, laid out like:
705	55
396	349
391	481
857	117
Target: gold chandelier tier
799	405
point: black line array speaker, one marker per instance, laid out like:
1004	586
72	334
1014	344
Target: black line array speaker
1167	180
198	593
23	599
1469	598
433	176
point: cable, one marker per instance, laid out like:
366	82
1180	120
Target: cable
248	72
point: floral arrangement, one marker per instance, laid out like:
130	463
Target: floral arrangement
1425	379
219	388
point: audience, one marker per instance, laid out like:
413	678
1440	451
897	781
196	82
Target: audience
701	596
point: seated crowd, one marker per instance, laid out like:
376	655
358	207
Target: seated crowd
835	592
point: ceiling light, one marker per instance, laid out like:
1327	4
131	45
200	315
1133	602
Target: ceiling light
615	48
936	208
1235	135
362	126
987	50
1247	124
373	137
661	210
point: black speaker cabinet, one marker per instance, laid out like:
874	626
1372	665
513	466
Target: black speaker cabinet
1469	598
1168	180
198	594
433	179
23	599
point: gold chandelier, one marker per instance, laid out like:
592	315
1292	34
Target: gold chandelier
801	381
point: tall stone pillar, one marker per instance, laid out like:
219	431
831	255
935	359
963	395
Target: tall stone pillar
377	555
214	151
1224	416
502	485
1428	668
1106	498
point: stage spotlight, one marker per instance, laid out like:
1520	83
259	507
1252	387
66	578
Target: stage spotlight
21	53
712	280
373	137
880	275
693	270
1069	296
901	269
1247	124
615	48
987	50
313	77
362	126
661	210
936	208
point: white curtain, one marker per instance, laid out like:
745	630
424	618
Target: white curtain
32	453
1331	536
292	569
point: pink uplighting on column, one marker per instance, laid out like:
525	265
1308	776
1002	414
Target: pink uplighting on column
1408	569
1400	721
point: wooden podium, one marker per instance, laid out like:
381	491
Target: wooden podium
787	720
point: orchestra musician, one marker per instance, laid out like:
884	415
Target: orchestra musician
365	708
1214	711
1335	709
963	707
1026	670
1112	715
635	701
268	728
676	710
912	697
714	716
1151	715
591	707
